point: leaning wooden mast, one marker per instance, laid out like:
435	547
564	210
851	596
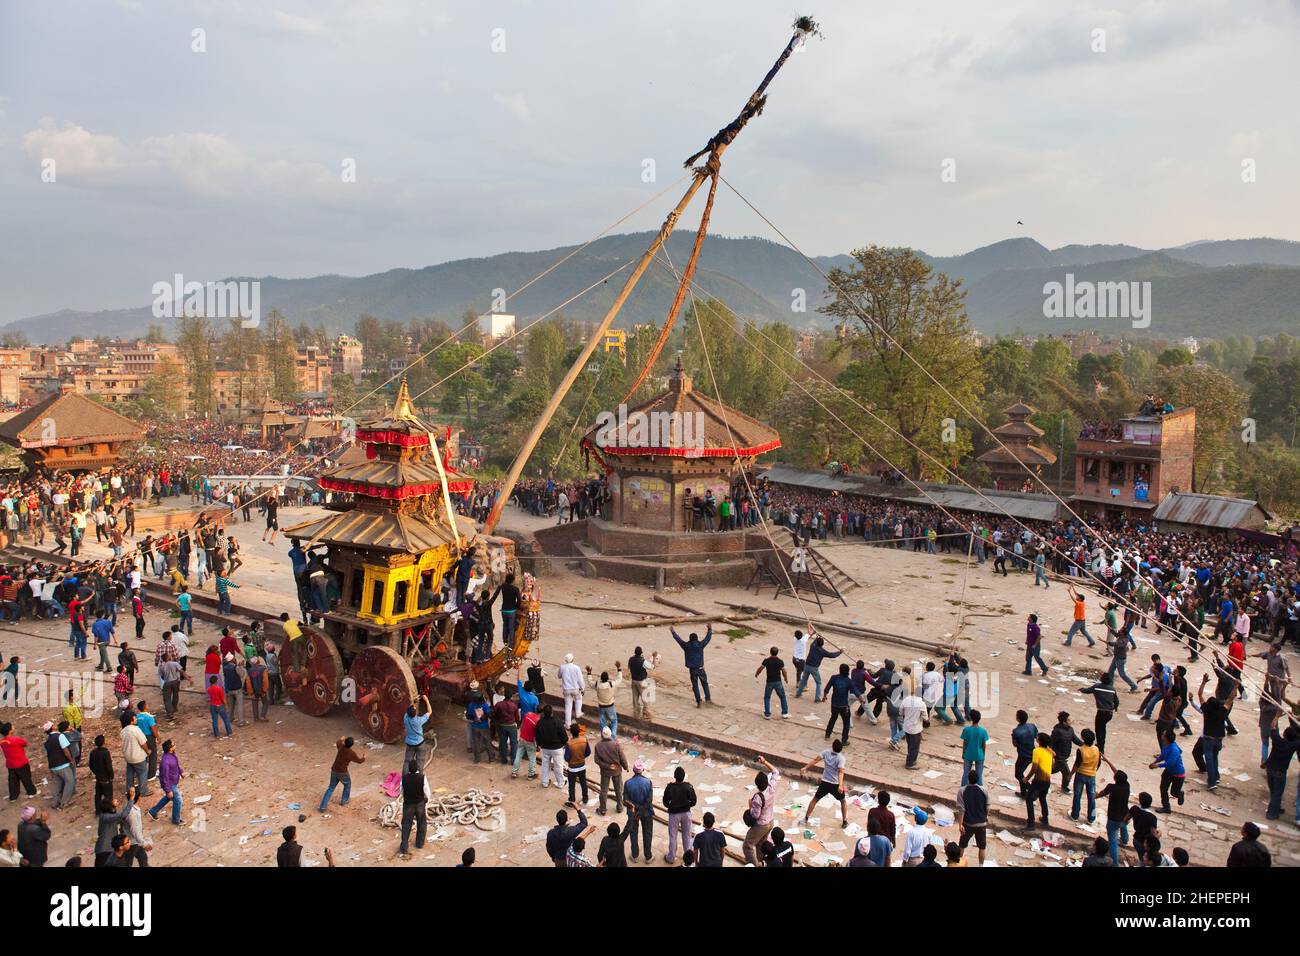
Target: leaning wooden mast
804	27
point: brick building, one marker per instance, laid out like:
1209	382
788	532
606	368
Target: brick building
1126	468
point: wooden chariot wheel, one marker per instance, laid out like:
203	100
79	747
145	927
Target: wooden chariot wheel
315	686
384	687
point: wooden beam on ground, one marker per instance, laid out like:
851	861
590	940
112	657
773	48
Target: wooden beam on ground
693	619
933	647
681	607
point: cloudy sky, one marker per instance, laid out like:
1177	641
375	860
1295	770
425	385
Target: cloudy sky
482	127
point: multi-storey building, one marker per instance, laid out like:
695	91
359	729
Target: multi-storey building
313	369
347	357
1126	468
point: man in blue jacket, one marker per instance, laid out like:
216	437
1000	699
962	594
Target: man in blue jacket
560	837
812	668
693	648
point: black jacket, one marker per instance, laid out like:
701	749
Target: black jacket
679	797
550	733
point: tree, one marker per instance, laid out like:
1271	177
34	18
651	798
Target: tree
1092	369
281	357
344	392
14	340
1219	404
155	335
891	301
1275	396
195	343
164	390
544	354
1049	361
1178	355
1006	369
1270	473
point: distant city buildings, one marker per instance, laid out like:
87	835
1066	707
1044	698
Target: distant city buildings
116	372
346	357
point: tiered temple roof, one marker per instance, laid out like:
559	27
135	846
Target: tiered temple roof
399	504
727	433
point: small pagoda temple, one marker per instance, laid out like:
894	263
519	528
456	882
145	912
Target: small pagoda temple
1007	465
674	447
70	432
658	459
401	534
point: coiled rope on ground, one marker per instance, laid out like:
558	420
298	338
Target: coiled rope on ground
474	807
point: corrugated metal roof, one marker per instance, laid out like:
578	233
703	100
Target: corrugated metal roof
954	497
1210	511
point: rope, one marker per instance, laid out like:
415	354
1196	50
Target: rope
688	284
474	807
975	418
970	526
519	331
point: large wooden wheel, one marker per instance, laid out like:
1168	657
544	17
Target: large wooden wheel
314	687
384	687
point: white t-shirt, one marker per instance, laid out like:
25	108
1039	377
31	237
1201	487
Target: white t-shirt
801	648
931	687
133	579
832	764
912	710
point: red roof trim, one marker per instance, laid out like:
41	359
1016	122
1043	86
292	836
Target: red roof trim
394	494
392	438
691	452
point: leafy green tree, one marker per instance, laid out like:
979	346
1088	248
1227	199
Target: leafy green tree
891	300
544	354
1220	404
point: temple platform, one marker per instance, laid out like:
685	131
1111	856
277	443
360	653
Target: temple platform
655	558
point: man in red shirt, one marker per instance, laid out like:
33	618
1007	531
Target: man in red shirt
527	745
77	628
217	708
20	768
1237	662
229	645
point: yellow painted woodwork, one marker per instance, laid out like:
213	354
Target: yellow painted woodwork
436	560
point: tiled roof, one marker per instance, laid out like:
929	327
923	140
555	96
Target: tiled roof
67	418
407	533
726	432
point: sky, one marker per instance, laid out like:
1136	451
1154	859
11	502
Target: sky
488	126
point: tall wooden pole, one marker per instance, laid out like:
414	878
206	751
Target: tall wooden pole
803	28
539	426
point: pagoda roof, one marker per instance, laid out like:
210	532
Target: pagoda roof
363	470
67	418
1019	429
727	433
1020	408
392	479
381	530
401	420
1026	454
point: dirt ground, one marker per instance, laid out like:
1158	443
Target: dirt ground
269	774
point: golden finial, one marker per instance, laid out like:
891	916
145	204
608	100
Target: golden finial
402	407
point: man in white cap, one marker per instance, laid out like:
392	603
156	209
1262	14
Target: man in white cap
572	682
